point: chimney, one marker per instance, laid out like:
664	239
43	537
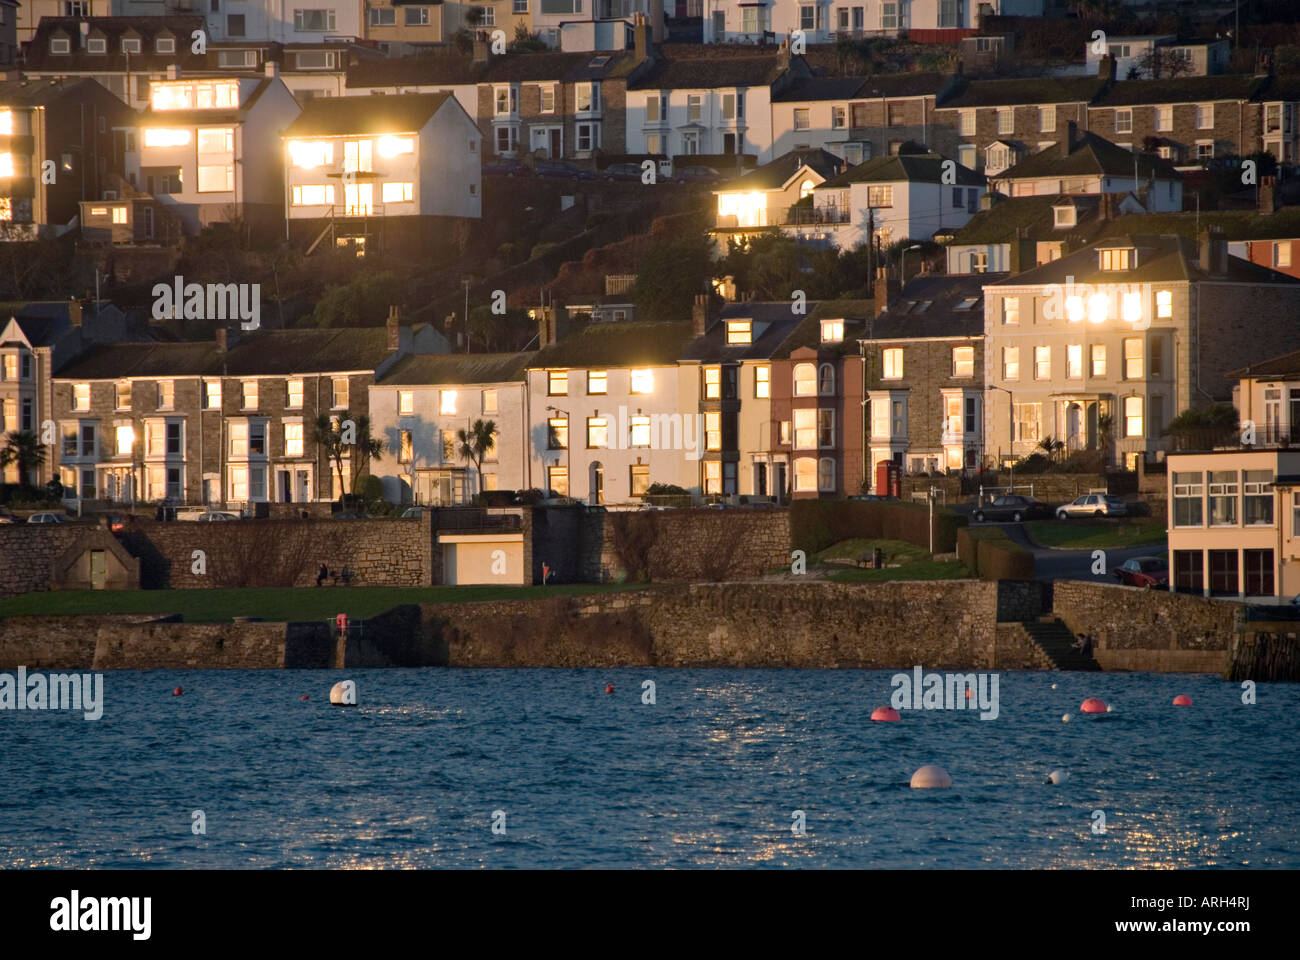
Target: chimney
1106	68
1214	252
272	69
1267	195
221	340
546	332
641	38
394	327
480	47
173	71
700	314
783	55
74	312
657	21
885	291
1071	136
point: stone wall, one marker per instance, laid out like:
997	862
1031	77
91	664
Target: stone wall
143	642
28	552
1131	618
693	545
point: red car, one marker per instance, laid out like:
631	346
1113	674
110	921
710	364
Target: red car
1143	572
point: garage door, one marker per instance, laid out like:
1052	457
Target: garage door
499	562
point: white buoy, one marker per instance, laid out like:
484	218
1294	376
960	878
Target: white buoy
1065	718
1053	686
1058	777
344	693
930	776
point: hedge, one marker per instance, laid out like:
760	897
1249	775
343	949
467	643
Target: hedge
989	553
816	524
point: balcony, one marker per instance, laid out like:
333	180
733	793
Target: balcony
476	520
799	217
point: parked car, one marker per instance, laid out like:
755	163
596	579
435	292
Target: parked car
697	175
47	518
873	497
1143	572
412	513
1093	505
623	171
6	518
217	516
1014	508
505	168
563	169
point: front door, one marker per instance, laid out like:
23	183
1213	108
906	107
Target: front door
284	486
304	486
98	570
760	480
778	483
556	145
719	25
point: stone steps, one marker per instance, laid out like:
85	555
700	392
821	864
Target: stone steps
1056	640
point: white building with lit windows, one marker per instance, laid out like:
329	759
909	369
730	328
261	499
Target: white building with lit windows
205	147
1102	348
365	161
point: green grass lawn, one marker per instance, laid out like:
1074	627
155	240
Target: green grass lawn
301	603
914	562
1092	534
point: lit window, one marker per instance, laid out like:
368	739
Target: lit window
640	431
805	380
739	331
1132	416
1010	363
404	446
447	402
1099	360
712	383
643	381
1133	358
395	146
212	394
1282	254
339	390
405	401
489	401
713	430
1074	361
762	382
557	383
293	439
832	331
805	475
166	137
398	192
1098	307
1042	363
892	363
1114	259
1010	310
826	380
597	381
250	394
312	195
125	436
1131	308
557	433
119	214
640	479
805	429
1074	309
963	361
309	154
124	395
597	432
293	390
882	196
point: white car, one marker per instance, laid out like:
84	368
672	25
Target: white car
216	517
1093	505
47	518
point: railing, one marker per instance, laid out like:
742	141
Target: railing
477	520
782	218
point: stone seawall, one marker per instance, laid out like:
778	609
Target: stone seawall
1130	618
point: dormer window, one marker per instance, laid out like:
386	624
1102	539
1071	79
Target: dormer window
967	303
832	331
1065	216
60	45
740	331
165	45
1118	259
96	45
130	44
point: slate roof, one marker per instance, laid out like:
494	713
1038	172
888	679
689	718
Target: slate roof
1126	93
37	56
775	175
943	296
1024	217
922	167
1161	259
713	347
1285	366
37	93
636	343
1235	224
425	369
342	116
1092	155
822	88
1005	93
808	333
702	73
458	69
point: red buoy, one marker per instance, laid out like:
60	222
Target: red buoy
885	715
1093	705
1182	700
304	696
177	692
609	688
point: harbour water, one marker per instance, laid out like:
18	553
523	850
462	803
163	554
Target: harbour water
709	775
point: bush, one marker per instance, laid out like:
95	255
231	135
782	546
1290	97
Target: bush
816	524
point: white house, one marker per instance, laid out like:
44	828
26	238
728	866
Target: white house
1136	57
904	197
413	155
766	197
204	147
1084	163
256	19
823	21
606	418
419	406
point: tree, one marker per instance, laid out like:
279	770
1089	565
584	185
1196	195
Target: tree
1051	446
337	438
24	448
476	443
673	270
1202	428
1162	63
361	302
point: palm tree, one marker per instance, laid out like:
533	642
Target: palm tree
338	438
476	443
1051	446
24	448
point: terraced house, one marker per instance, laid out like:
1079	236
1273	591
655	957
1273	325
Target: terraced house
1103	347
221	422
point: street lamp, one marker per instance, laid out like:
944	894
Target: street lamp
1011	422
902	269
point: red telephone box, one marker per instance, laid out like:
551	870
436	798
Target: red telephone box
888	480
